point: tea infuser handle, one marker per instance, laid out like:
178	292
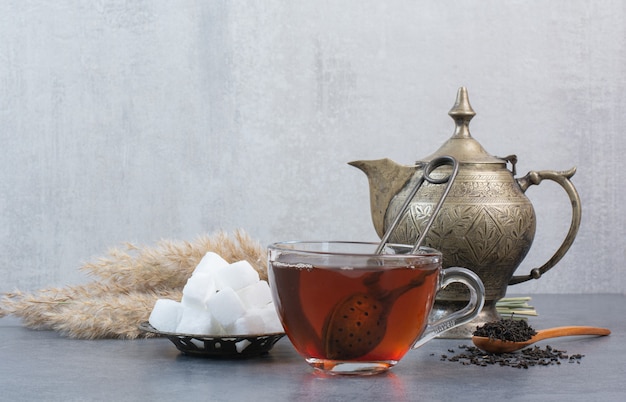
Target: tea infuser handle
462	316
428	169
561	178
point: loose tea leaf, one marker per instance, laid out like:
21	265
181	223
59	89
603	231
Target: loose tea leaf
529	357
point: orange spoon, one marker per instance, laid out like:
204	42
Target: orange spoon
500	346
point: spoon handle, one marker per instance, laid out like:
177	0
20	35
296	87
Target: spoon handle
569	331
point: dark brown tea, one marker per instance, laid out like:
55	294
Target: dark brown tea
357	314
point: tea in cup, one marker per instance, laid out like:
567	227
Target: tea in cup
348	310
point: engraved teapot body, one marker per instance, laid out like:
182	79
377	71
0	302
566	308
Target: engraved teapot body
487	223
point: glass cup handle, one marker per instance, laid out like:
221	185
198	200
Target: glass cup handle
460	317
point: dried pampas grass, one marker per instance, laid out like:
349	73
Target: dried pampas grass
128	283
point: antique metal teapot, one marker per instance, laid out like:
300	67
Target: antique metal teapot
487	223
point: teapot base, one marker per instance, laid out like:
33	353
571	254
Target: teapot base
442	308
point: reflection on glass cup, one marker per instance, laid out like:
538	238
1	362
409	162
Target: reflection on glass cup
349	311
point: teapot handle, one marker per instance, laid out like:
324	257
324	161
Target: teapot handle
562	178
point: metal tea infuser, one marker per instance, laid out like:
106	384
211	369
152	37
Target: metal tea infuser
358	323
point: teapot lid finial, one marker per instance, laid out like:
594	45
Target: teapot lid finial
462	113
462	146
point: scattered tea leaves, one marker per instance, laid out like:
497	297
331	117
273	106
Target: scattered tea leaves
529	357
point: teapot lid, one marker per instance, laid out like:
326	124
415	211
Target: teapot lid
462	146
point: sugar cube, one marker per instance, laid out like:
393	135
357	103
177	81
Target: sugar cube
226	307
165	315
197	290
236	276
270	319
242	345
198	322
256	295
209	263
248	324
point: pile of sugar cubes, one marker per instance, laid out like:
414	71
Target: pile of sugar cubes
219	299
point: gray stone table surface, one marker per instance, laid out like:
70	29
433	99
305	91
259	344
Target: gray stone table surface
41	365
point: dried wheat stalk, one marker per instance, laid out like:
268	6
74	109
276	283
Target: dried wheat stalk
128	283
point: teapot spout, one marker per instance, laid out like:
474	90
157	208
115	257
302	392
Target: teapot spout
386	178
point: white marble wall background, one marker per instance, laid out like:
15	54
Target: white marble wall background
144	120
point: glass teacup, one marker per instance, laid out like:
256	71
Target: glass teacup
347	310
